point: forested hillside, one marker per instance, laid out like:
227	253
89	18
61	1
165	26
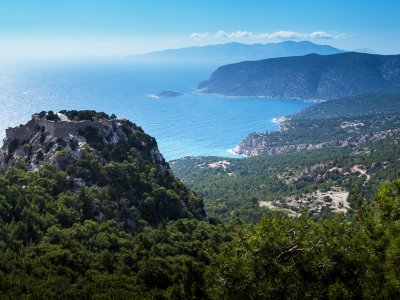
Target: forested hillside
49	251
102	216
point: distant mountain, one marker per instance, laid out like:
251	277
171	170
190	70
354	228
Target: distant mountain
365	50
235	52
309	77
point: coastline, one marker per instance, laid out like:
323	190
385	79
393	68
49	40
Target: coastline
236	155
278	120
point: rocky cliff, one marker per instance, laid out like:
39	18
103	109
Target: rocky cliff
309	77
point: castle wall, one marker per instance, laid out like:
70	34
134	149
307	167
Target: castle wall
21	133
64	129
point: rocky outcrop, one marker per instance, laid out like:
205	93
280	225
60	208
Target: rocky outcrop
61	142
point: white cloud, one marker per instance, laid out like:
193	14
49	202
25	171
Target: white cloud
197	35
320	35
277	35
221	34
235	34
283	35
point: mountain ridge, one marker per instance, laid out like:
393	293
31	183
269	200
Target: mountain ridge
309	77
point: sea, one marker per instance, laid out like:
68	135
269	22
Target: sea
190	125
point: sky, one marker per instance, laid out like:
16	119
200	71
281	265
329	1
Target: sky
97	28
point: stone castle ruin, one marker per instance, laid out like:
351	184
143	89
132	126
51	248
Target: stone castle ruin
60	129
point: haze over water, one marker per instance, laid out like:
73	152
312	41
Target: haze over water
190	125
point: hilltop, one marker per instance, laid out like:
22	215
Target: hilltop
110	163
310	77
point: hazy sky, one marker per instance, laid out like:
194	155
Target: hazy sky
122	27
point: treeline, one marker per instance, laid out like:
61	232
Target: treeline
77	115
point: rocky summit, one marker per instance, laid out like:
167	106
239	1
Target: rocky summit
56	139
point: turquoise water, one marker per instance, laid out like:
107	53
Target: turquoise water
189	125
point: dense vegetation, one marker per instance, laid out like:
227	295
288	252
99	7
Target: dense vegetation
51	247
92	115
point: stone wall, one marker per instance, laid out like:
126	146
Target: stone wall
64	129
22	133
